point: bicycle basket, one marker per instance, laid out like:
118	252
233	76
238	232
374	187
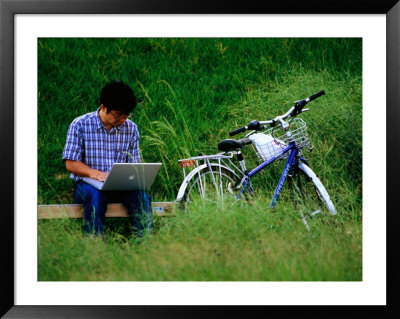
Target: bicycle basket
273	141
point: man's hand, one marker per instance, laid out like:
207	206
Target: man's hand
101	176
82	169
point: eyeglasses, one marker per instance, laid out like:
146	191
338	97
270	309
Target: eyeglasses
120	116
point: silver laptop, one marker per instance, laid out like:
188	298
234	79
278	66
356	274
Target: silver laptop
127	176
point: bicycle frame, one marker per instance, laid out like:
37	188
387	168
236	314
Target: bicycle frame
292	158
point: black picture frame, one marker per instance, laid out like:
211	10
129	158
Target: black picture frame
8	10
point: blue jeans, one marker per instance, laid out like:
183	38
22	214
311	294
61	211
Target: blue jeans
95	206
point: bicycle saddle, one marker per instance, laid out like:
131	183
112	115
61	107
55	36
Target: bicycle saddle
230	145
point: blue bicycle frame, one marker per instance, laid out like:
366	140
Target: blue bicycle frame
292	157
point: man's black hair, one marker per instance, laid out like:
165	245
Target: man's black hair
118	96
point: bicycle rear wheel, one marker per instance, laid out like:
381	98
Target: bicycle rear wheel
211	185
311	193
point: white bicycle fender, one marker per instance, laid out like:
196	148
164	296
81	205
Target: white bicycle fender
189	176
319	185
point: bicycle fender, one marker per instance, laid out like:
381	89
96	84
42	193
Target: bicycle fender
197	170
309	172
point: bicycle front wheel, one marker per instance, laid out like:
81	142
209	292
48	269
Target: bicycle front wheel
211	184
311	193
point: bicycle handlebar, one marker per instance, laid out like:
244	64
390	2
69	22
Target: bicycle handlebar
298	105
253	125
316	95
238	130
296	109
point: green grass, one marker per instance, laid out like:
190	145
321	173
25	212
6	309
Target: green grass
248	243
193	92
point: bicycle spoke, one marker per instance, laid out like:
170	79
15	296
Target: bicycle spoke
212	185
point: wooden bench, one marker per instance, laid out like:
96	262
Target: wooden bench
113	210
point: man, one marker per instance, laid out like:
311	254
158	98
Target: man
97	140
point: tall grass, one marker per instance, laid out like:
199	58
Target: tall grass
192	93
246	243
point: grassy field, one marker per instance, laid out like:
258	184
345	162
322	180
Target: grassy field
193	92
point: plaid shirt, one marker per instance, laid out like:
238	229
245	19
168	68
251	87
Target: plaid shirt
89	141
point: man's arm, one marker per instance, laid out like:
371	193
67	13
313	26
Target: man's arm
81	169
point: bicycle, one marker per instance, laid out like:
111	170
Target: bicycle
214	177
